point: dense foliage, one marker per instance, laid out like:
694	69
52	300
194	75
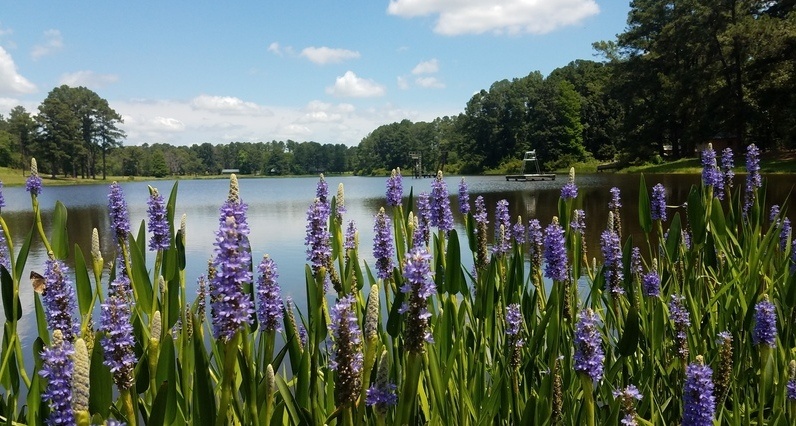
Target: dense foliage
694	328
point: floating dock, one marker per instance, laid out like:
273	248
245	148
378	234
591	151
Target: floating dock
531	177
529	161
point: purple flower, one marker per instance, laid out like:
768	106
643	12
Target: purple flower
518	231
578	224
118	342
651	283
682	319
269	302
481	222
117	207
424	216
33	183
2	198
317	240
57	368
570	190
383	245
502	221
59	299
753	180
441	215
395	188
513	319
791	385
555	252
727	164
536	240
158	224
616	202
381	395
784	234
765	332
698	400
635	261
350	236
793	256
322	191
612	255
340	203
480	210
711	176
627	397
230	307
348	358
772	215
464	198
589	356
658	203
418	287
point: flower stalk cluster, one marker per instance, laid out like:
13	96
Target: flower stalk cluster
348	358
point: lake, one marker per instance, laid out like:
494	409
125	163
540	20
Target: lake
278	207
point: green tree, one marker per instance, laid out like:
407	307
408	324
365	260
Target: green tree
159	168
22	127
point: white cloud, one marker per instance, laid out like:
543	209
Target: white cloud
11	82
53	42
426	67
88	79
349	85
507	16
227	105
326	55
429	83
275	48
402	83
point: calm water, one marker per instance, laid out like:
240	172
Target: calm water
277	213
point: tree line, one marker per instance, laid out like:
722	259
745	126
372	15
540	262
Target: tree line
683	73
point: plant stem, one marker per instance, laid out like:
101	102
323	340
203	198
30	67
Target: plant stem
227	379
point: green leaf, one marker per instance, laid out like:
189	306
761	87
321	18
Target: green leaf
60	237
41	320
394	319
204	400
629	342
85	292
673	239
141	282
7	284
453	273
22	257
101	391
696	215
644	208
158	414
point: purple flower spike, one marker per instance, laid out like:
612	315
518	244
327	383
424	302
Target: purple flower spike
518	231
658	203
2	198
612	257
616	201
773	213
33	183
699	404
536	240
727	163
395	188
322	190
348	358
5	260
627	397
118	342
418	286
59	299
424	216
555	252
791	385
158	225
513	319
464	198
350	236
317	239
570	190
383	245
589	356
682	319
578	224
381	396
58	368
269	302
117	206
513	331
753	180
784	234
651	281
230	307
711	176
765	332
441	215
502	221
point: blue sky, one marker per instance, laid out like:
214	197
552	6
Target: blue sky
326	71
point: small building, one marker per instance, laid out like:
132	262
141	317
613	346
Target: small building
229	171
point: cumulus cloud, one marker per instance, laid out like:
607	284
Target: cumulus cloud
88	79
426	67
402	83
53	42
429	83
349	85
11	82
326	55
278	49
507	16
227	105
